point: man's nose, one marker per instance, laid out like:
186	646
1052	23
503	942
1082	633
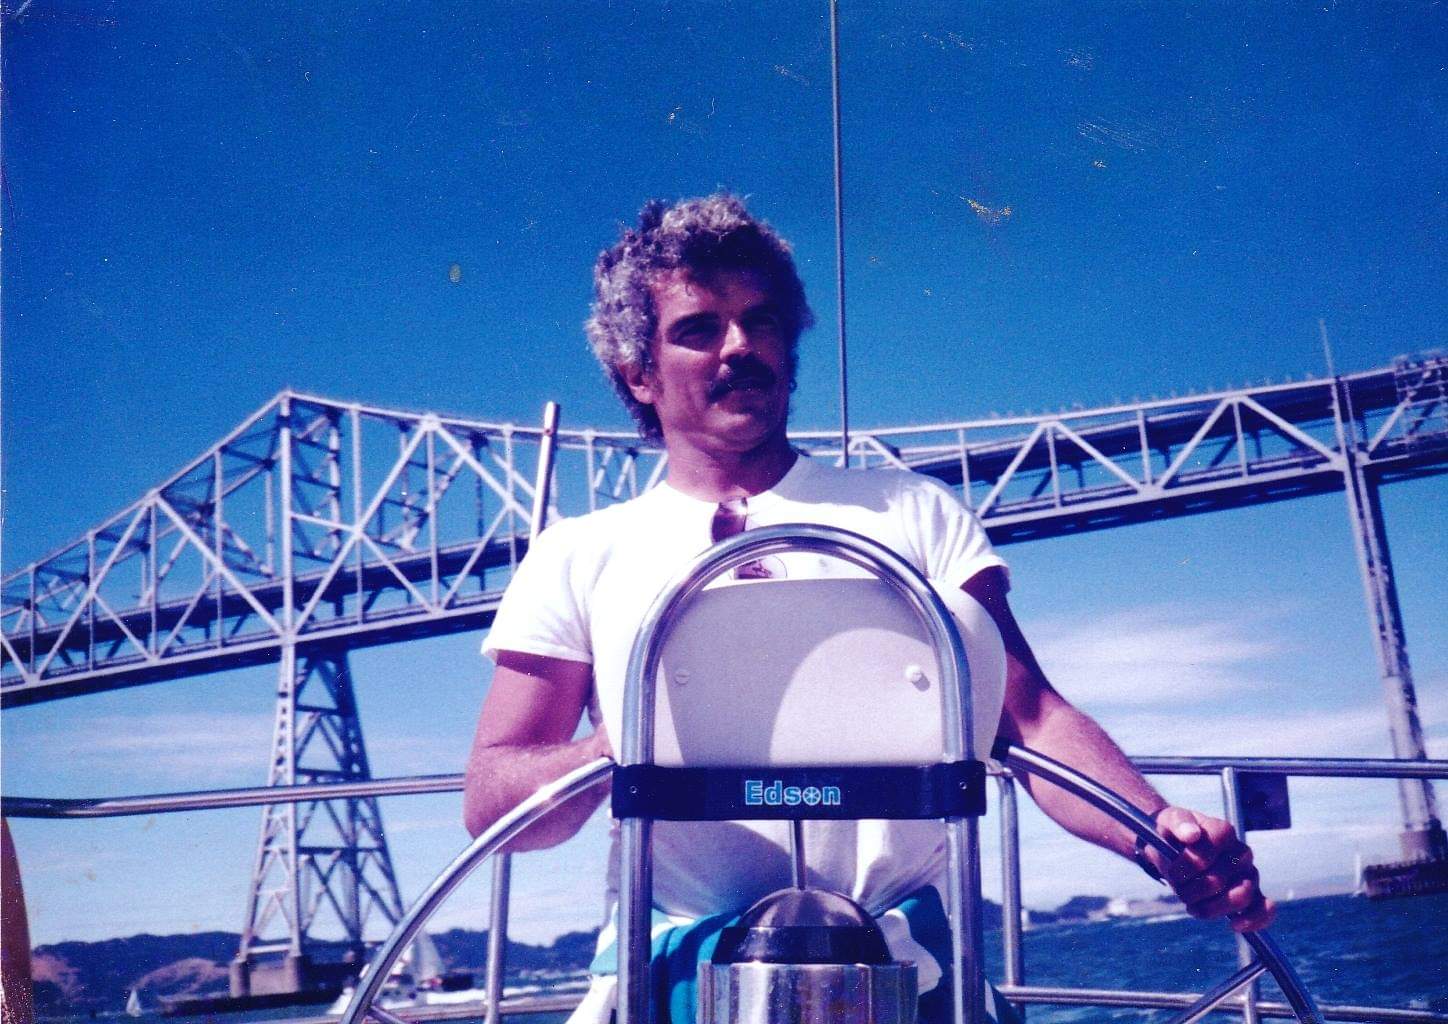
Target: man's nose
736	341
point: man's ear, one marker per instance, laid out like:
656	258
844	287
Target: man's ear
640	383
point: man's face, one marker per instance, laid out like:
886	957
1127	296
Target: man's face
720	379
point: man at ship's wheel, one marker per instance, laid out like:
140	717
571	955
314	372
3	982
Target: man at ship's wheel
696	318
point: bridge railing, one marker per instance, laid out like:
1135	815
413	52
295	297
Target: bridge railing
1015	985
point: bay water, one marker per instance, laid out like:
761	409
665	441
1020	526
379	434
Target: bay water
1348	950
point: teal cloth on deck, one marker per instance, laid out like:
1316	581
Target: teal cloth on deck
676	951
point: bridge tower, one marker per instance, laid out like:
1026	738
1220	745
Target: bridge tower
1422	391
322	869
322	865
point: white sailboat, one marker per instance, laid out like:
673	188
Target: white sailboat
425	962
133	1004
410	982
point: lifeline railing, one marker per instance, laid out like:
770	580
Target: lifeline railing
1014	986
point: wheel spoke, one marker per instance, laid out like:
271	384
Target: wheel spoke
1218	992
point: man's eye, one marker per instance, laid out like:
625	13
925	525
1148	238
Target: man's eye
764	321
699	332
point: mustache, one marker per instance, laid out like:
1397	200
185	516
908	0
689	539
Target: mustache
747	372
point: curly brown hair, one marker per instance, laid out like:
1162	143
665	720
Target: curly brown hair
701	237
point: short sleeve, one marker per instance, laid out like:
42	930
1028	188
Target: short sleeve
952	544
544	611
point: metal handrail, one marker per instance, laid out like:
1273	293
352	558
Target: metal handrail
218	799
405	785
1013	987
1344	767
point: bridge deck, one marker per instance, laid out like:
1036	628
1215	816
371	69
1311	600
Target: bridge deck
322	522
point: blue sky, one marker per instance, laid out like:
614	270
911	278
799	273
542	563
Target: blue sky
206	203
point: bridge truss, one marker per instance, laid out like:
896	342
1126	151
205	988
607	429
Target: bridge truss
317	526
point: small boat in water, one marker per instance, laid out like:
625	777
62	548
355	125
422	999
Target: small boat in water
133	1004
419	979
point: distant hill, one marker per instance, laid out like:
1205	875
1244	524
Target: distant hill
79	977
463	950
188	978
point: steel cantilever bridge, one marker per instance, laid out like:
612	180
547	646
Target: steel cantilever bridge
319	526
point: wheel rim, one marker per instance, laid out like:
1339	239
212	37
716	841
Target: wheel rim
1269	958
506	828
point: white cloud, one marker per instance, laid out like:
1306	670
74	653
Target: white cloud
1277	728
198	749
414	753
1433	711
1155	655
451	825
1263	731
195	748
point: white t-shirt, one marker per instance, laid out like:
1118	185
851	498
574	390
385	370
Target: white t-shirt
584	589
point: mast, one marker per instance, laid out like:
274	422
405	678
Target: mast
839	230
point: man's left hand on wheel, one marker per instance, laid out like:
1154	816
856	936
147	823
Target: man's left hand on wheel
1215	875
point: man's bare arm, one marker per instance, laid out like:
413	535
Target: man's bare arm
525	740
1036	715
1214	877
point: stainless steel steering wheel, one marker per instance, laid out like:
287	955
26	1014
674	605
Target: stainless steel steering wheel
1269	958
